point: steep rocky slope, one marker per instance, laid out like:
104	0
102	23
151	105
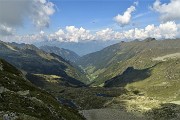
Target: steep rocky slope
19	99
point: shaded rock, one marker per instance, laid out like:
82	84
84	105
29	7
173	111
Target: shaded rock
3	89
23	93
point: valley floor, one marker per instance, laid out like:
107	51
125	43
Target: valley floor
109	114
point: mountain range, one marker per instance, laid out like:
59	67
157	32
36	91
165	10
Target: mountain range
141	77
64	53
33	60
150	69
114	60
81	48
20	99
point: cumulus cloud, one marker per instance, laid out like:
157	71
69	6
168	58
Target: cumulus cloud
73	34
105	34
14	12
168	11
6	31
126	17
163	31
29	38
41	11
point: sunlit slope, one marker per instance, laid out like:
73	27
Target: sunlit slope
161	81
114	60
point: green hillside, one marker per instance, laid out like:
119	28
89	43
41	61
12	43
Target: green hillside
33	60
64	53
114	60
21	100
161	81
149	70
75	97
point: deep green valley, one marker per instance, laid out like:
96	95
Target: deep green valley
137	80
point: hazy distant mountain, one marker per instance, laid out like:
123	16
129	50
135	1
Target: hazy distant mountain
81	48
34	60
64	53
19	99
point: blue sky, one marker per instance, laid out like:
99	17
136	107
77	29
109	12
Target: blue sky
76	20
97	14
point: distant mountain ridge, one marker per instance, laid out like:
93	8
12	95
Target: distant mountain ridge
64	53
141	76
81	47
115	59
34	60
149	70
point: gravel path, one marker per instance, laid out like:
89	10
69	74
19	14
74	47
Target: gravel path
108	114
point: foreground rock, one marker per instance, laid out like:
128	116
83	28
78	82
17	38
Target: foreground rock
21	100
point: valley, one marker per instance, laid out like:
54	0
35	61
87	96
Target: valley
127	80
89	60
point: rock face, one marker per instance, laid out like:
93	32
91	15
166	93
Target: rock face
10	116
1	67
3	89
23	93
14	116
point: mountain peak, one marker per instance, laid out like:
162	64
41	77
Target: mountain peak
149	39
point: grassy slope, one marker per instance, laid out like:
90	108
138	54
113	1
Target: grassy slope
114	60
160	87
149	70
33	60
82	97
34	104
164	82
65	53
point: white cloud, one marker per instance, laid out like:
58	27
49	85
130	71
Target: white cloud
163	31
41	12
14	12
126	17
106	34
73	34
168	11
6	31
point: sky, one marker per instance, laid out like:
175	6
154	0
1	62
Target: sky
31	21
